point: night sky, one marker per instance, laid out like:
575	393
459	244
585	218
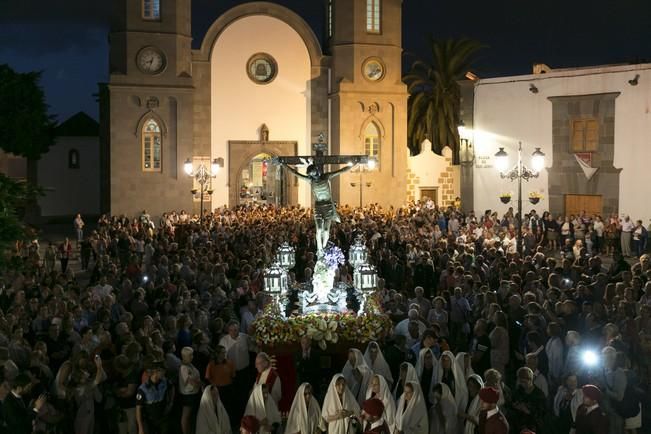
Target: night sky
68	39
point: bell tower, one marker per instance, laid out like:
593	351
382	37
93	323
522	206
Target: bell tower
148	107
151	38
368	98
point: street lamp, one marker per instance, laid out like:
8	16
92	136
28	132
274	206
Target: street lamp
203	176
371	164
519	172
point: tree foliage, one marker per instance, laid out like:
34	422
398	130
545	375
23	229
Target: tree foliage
15	196
434	94
26	129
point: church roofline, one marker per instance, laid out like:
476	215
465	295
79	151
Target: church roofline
260	8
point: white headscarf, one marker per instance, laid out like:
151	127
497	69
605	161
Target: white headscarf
357	388
412	419
460	387
420	366
332	405
261	408
212	417
461	363
303	419
447	425
380	366
474	408
411	376
387	399
577	400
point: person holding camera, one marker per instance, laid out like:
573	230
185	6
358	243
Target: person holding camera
18	417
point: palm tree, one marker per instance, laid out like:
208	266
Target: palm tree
434	94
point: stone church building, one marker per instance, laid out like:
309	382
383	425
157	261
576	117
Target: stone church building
259	84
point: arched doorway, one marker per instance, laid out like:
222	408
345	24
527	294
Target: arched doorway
261	182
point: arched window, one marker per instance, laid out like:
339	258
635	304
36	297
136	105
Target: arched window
151	10
373	16
73	159
151	146
372	142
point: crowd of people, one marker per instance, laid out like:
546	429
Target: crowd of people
153	336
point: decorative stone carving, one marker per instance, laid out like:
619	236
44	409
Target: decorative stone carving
264	133
152	102
373	108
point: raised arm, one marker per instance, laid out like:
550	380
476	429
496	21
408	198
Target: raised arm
338	172
276	162
295	172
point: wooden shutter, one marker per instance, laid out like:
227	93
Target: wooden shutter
578	135
591	138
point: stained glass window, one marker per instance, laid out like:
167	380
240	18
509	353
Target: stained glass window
373	16
151	146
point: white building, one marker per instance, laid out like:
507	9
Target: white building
593	124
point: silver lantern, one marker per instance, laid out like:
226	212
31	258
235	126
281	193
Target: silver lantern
365	278
357	254
286	256
275	280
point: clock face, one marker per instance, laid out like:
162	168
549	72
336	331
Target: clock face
151	60
261	68
373	69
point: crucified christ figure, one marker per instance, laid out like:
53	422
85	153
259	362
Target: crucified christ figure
325	211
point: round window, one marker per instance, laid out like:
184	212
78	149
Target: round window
262	68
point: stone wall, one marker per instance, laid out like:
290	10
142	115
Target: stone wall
566	175
429	170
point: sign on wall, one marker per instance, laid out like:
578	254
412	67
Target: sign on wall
484	162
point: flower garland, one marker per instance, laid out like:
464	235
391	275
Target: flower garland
271	330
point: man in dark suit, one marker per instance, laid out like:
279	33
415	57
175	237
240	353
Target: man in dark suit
590	418
307	363
372	412
18	416
491	419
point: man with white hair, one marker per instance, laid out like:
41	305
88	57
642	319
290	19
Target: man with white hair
402	328
627	227
268	375
423	303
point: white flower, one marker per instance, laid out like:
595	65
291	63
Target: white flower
323	345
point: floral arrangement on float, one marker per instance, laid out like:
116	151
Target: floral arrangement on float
534	197
272	330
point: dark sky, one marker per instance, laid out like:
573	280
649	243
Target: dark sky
68	39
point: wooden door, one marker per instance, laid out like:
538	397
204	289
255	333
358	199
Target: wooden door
429	193
577	203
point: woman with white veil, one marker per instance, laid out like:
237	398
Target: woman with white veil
407	374
376	361
339	405
357	374
262	405
464	364
450	374
305	414
471	415
443	414
411	413
427	370
212	417
379	388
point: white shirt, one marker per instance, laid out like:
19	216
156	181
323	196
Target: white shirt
492	412
627	226
237	350
187	376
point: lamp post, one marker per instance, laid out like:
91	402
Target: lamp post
371	165
519	172
203	176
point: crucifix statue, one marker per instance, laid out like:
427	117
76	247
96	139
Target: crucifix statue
325	211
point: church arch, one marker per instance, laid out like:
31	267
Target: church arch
144	118
261	8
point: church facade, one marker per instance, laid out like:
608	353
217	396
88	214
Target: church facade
260	85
